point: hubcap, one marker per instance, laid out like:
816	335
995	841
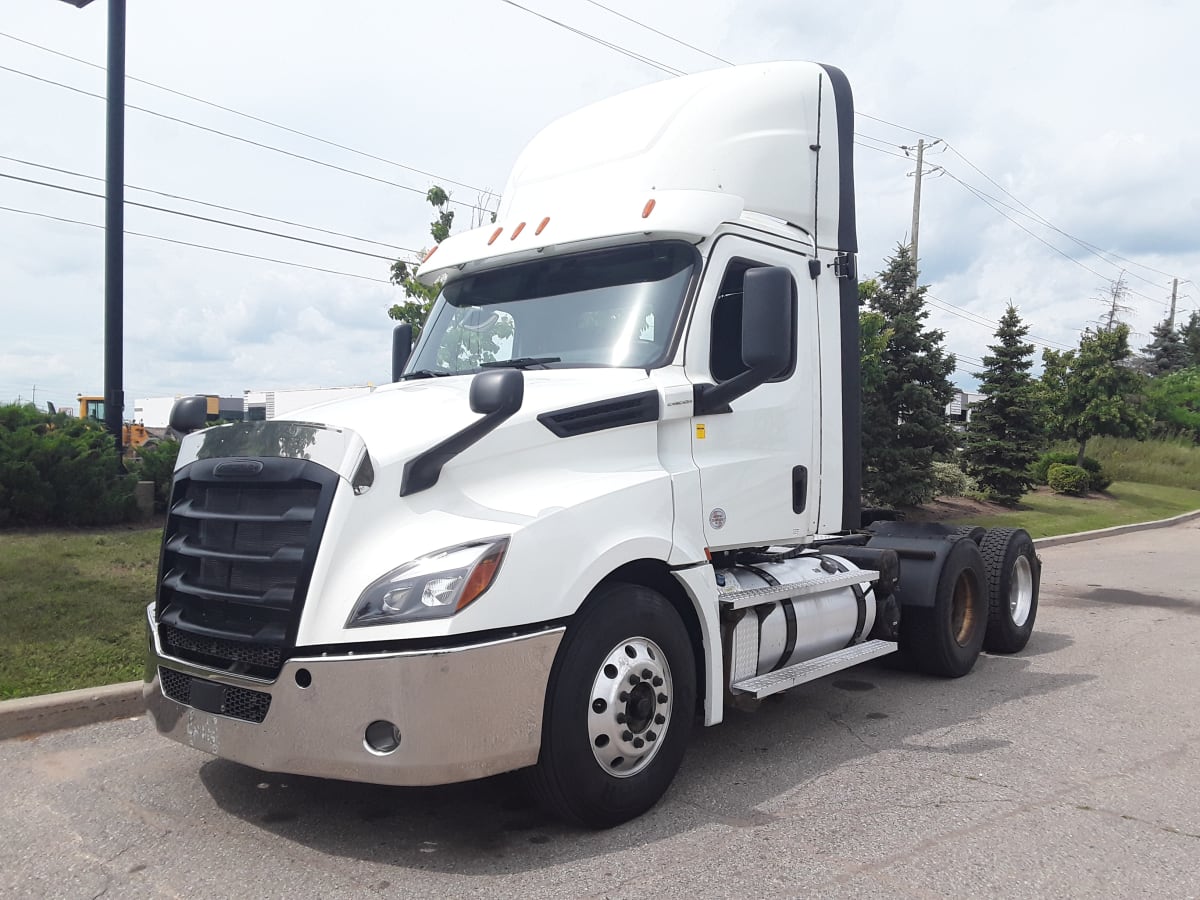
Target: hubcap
629	708
962	610
1020	591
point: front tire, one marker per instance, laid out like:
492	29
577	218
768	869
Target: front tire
619	708
1013	573
945	639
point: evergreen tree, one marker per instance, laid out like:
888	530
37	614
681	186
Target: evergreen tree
904	418
1166	353
1102	389
1189	333
1003	435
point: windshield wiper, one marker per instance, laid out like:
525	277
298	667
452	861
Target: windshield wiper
427	373
521	362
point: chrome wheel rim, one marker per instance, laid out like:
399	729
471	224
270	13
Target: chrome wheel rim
629	708
1020	591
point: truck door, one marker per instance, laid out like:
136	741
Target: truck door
758	463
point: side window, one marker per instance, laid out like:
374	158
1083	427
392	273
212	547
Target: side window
725	351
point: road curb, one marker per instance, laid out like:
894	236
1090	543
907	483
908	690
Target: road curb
70	709
1115	530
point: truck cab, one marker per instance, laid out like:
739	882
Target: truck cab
613	488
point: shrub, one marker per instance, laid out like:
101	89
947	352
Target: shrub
1065	479
57	470
1098	479
158	465
949	480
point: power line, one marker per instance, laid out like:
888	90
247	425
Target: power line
232	209
245	115
894	125
176	212
662	67
881	150
661	33
244	140
1090	248
983	197
156	237
946	306
1037	216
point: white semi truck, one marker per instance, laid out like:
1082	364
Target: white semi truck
613	489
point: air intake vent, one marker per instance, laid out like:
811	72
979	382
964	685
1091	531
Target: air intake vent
602	415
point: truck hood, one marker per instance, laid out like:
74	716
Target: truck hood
399	420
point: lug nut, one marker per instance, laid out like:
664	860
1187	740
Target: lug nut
651	736
620	718
623	696
660	719
627	735
657	682
662	698
639	743
633	679
646	673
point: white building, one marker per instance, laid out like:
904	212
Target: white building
262	405
958	410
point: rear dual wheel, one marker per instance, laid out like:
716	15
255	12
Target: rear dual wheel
945	639
1013	573
619	708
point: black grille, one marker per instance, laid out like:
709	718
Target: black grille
225	700
237	557
218	651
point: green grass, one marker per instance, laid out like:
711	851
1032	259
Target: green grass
72	607
1045	514
1174	462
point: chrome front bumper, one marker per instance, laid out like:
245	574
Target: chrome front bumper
462	713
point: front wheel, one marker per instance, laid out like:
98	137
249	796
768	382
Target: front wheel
619	708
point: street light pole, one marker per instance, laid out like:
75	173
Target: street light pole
114	221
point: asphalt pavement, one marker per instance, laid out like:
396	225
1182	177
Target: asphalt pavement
1069	770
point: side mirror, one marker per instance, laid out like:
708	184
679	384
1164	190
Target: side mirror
402	339
768	323
497	394
767	320
499	391
189	414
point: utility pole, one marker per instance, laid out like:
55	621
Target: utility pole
114	221
916	223
1174	294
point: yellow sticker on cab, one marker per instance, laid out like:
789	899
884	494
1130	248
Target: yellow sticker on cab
699	431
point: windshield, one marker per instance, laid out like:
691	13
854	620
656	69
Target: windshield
615	307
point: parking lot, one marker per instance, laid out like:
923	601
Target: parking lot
1071	769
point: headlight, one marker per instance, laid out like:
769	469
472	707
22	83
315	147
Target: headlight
431	587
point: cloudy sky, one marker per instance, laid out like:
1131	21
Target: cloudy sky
1070	118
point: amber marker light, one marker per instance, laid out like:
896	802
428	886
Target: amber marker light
430	253
517	231
483	574
540	228
648	208
495	234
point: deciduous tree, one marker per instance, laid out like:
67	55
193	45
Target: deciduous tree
419	297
